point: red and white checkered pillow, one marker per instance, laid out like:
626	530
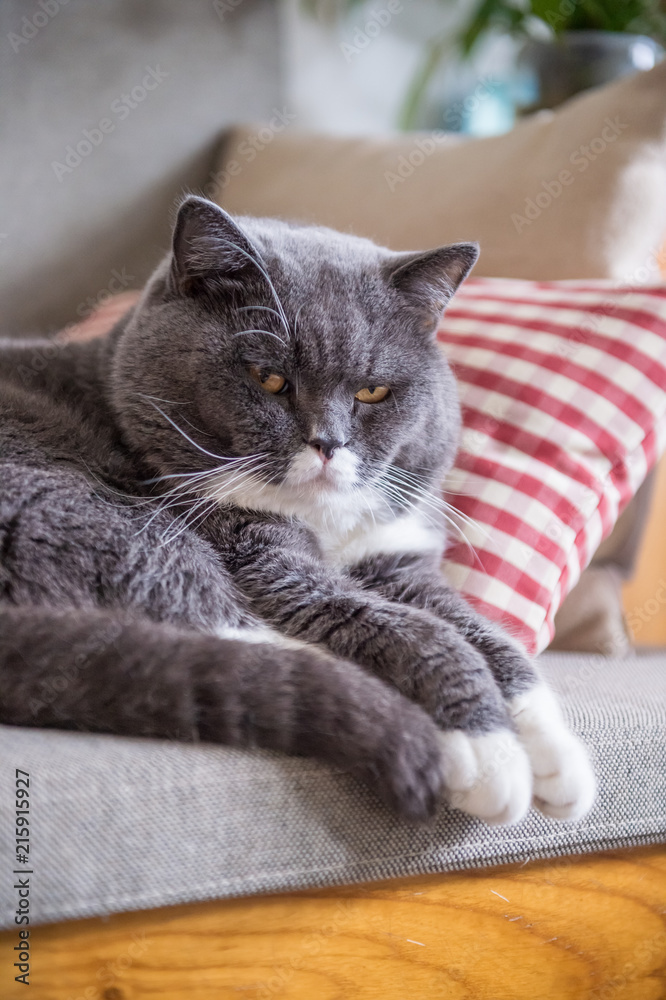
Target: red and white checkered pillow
563	386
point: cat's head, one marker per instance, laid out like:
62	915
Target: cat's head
305	356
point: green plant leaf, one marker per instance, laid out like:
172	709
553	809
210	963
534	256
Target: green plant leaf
487	14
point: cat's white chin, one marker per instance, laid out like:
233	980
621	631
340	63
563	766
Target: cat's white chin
306	469
319	483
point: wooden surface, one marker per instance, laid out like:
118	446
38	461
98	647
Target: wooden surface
579	929
644	597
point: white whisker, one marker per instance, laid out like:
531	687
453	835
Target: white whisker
268	333
405	503
200	505
189	491
270	284
180	430
297	317
416	497
470	521
262	309
188	521
207	472
176	402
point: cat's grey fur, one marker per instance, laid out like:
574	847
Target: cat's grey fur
125	608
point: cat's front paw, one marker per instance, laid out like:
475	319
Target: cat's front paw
487	776
564	782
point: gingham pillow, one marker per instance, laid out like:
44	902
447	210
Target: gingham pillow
563	386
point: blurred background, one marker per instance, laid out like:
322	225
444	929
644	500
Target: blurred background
110	108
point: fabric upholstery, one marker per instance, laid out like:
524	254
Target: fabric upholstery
123	824
620	550
591	618
563	387
575	193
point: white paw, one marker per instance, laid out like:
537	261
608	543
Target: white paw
487	776
564	782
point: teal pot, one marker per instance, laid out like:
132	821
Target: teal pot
577	60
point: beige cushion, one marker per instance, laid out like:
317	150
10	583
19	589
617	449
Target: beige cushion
591	619
621	548
576	193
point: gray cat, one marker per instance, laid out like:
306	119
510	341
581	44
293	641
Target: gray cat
216	524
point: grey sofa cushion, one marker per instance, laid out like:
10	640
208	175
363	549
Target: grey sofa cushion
122	824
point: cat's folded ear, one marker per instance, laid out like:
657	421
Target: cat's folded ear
209	248
430	279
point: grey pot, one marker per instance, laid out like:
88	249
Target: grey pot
578	60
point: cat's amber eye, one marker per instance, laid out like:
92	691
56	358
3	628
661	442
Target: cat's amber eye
373	394
271	383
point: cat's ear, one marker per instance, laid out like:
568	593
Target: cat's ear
430	279
209	248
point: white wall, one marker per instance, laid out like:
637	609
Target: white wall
63	233
352	76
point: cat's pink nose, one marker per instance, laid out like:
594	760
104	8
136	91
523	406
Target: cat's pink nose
325	447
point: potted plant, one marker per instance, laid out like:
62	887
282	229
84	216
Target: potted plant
571	45
568	45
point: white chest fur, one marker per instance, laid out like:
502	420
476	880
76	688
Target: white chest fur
351	521
407	533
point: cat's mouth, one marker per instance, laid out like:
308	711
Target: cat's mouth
306	469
